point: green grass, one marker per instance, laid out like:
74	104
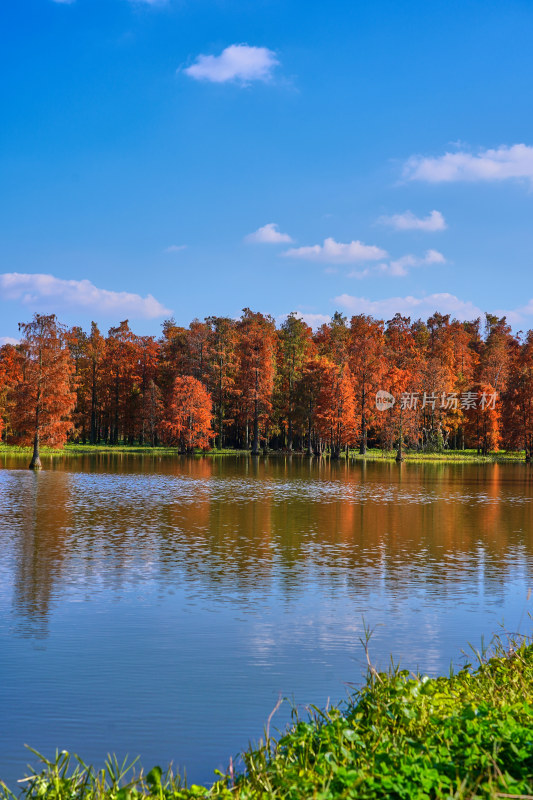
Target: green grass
402	736
462	456
74	449
373	454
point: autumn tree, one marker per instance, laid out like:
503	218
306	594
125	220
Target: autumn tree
367	362
483	419
173	356
333	339
517	402
187	419
401	378
150	407
256	352
497	352
223	360
44	398
96	348
121	369
307	392
335	407
197	339
10	376
284	386
295	344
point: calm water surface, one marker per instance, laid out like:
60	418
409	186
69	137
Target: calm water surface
159	607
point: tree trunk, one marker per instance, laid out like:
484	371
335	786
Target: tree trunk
255	443
220	441
362	446
35	463
399	454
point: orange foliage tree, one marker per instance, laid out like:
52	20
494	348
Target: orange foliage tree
401	378
367	363
187	419
307	392
295	343
517	402
483	419
287	386
44	399
222	372
121	392
10	376
255	379
335	408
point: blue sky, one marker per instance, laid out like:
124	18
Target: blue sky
192	157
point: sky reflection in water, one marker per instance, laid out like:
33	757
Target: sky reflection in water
159	606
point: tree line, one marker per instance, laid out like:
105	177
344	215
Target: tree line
249	384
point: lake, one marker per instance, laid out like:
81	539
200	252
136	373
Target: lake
160	606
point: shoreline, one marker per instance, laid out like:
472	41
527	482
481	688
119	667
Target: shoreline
400	735
452	456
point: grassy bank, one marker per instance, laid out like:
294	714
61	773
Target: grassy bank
107	449
400	736
452	456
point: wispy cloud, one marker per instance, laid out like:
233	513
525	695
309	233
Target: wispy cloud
8	340
238	62
400	267
500	164
64	2
332	252
175	248
409	222
518	315
410	306
268	234
47	292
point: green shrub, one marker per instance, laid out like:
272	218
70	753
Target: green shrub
400	736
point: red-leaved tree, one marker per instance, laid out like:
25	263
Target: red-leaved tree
187	420
44	399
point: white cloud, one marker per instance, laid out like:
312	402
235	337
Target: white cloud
399	268
517	316
363	273
410	306
8	340
238	62
313	320
65	2
488	165
175	248
268	234
337	252
40	291
409	222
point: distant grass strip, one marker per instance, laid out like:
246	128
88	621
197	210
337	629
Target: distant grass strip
109	449
400	736
447	456
374	454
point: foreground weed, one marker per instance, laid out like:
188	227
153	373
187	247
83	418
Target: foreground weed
402	736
